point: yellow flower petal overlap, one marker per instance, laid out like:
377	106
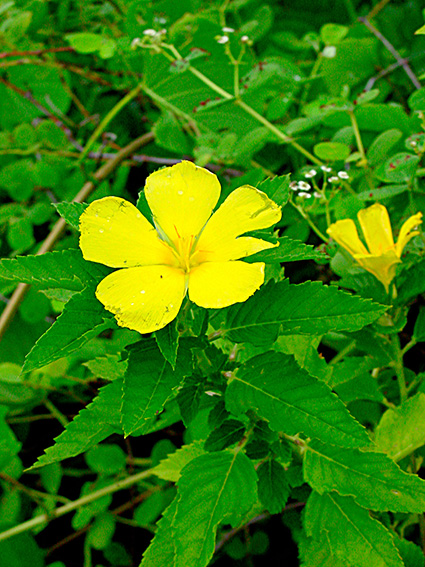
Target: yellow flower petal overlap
382	255
190	248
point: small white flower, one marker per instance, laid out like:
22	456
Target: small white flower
329	52
304	194
318	195
150	32
310	174
333	179
326	168
135	42
293	185
223	39
303	185
297	78
211	393
343	175
228	30
160	20
413	143
244	39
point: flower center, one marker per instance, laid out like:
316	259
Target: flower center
185	252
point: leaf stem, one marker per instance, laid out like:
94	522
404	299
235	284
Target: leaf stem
310	222
58	512
55	412
399	367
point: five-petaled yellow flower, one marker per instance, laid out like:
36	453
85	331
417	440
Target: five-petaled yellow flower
382	255
188	249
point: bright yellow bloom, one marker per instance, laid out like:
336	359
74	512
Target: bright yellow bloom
188	249
382	255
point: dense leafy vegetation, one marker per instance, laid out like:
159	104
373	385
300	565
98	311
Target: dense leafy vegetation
291	421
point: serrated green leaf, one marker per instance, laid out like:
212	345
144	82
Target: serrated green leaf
149	382
309	308
273	487
353	535
93	424
161	551
413	283
289	250
411	554
402	429
83	318
171	467
213	488
419	330
167	339
189	397
292	401
228	433
71	212
66	269
317	553
374	480
276	188
108	367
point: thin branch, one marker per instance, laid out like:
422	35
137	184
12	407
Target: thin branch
402	62
36	52
79	503
101	174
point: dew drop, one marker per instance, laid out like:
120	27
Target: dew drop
132	303
143	291
180	192
171	305
100	229
138	215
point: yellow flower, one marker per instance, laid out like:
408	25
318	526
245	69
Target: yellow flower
382	255
188	249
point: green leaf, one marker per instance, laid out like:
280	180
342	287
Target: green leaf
190	396
402	429
83	318
289	250
66	269
332	34
411	554
149	382
401	167
85	42
276	188
9	445
374	480
171	467
71	212
93	424
161	551
317	553
167	339
102	530
382	146
228	433
14	391
413	283
273	487
419	330
275	387
106	459
353	535
213	488
332	151
108	367
309	308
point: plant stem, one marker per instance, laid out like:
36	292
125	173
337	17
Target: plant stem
108	118
55	412
45	518
358	138
310	222
399	367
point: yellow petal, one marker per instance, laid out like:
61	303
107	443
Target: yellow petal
181	199
344	232
382	266
244	210
219	284
406	232
237	248
144	299
115	233
376	227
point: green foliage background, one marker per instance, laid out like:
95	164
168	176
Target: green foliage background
298	414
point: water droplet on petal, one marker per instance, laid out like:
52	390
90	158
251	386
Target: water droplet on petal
142	291
180	192
101	230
